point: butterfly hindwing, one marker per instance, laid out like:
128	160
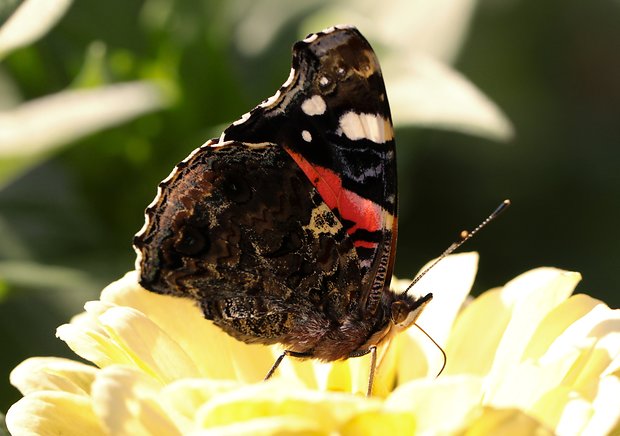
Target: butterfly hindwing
240	229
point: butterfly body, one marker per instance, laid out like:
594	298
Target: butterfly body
283	230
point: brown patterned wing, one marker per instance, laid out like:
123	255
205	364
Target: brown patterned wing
241	230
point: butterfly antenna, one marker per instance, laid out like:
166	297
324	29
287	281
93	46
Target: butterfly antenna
464	236
443	353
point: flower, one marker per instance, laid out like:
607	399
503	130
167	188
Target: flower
526	358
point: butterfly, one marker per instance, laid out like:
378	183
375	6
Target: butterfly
283	230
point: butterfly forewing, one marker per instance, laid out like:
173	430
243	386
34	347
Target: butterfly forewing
240	229
332	116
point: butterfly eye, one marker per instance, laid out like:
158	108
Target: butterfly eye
324	82
341	72
399	312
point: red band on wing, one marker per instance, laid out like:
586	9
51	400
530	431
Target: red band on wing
365	244
364	213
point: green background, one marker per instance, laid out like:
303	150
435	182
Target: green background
554	67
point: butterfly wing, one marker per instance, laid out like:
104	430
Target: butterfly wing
332	117
240	229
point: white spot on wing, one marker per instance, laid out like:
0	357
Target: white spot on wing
138	262
306	135
271	100
342	27
290	78
311	38
366	126
243	119
314	105
314	36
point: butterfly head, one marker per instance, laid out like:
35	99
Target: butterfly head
406	309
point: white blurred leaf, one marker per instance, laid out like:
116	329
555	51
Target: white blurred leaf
34	275
413	39
46	123
434	27
425	92
31	20
260	22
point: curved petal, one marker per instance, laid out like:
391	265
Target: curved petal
556	323
530	297
278	398
53	374
605	419
183	398
594	340
442	406
271	425
216	354
449	282
51	413
352	375
128	403
149	347
92	344
476	335
379	422
506	422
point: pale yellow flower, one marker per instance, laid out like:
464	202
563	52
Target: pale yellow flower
523	359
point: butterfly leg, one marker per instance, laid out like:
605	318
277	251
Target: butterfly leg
373	365
281	357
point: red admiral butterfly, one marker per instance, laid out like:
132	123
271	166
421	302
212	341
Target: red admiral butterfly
284	229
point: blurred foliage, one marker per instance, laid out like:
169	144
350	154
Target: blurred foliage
67	222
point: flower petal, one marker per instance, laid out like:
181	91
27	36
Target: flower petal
506	422
379	422
352	375
605	419
531	296
592	341
53	374
526	384
53	413
216	354
441	406
149	347
279	398
556	323
91	344
183	398
128	403
269	426
450	282
563	410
